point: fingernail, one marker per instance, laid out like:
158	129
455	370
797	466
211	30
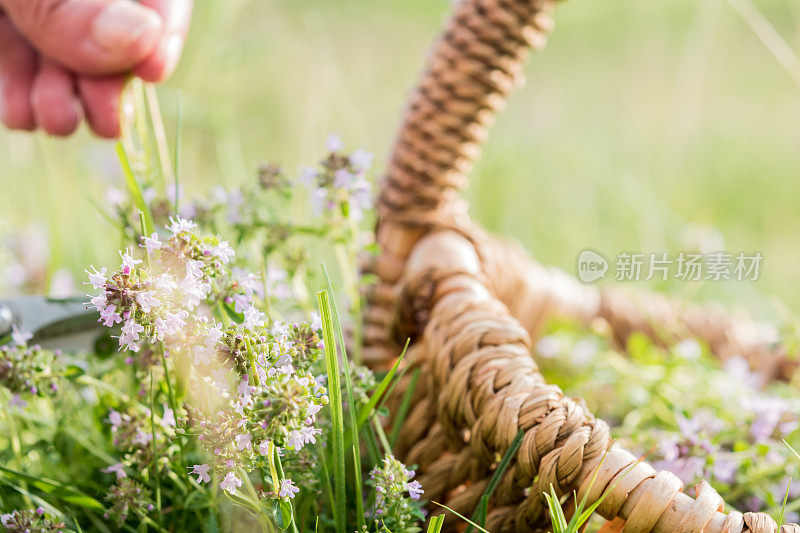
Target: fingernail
122	23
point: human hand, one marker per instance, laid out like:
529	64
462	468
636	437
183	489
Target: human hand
63	60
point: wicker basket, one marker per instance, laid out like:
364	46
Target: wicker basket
471	304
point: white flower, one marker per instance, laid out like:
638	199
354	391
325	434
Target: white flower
361	160
224	251
299	438
171	324
168	418
128	262
152	243
244	442
99	302
253	318
263	448
97	279
147	301
129	336
414	489
343	179
288	489
118	469
143	438
202	472
316	322
220	379
180	225
20	337
109	315
280	330
307	176
334	143
230	483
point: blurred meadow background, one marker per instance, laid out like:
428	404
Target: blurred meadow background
643	127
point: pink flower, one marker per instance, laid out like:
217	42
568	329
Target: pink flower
152	243
202	473
230	483
118	469
287	489
115	419
18	402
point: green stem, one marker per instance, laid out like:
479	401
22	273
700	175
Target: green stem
155	454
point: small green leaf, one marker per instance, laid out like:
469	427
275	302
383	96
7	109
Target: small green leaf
436	523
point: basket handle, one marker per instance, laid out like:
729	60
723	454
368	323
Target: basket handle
470	72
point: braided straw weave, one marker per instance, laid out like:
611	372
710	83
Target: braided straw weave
471	304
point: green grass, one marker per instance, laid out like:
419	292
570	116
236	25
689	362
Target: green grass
638	120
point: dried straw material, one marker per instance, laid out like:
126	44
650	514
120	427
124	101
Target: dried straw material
471	304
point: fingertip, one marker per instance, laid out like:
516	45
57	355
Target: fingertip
56	107
16	112
126	33
101	98
176	15
160	66
17	69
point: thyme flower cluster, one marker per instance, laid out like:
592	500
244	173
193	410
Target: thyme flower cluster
252	393
30	521
28	370
396	505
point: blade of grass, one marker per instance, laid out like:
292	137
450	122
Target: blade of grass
783	507
405	405
366	411
792	449
557	518
436	523
134	189
57	489
351	404
337	415
479	515
157	122
769	37
462	517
